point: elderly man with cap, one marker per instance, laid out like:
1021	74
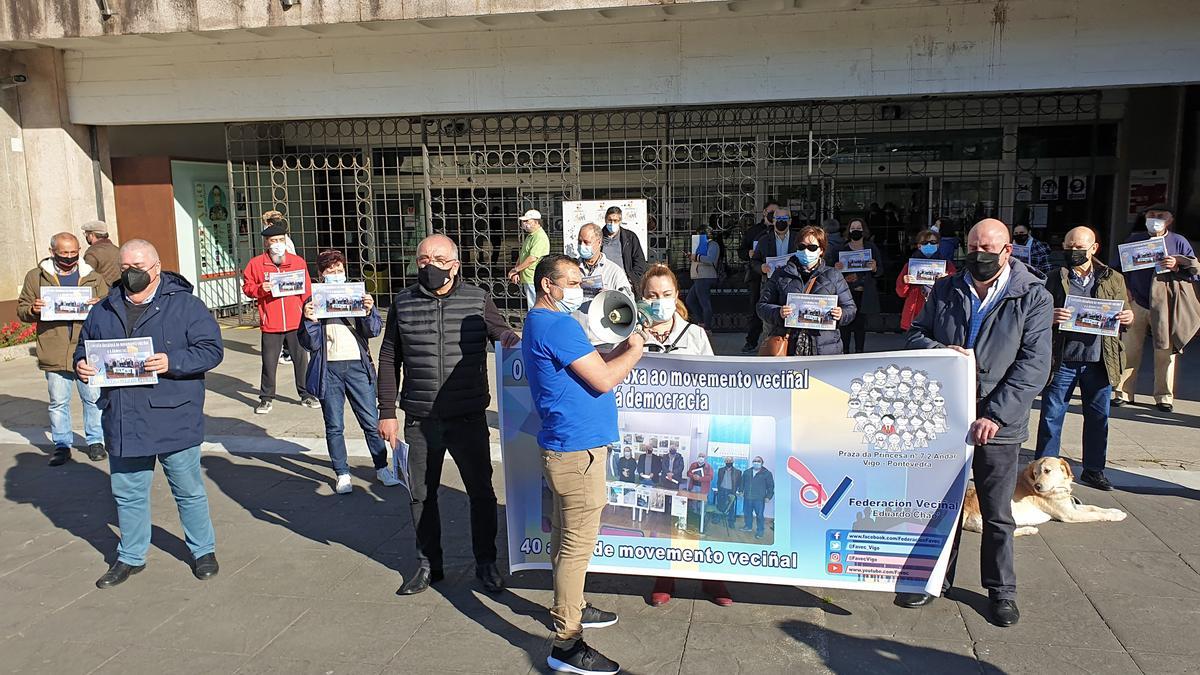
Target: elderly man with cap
102	254
279	317
536	245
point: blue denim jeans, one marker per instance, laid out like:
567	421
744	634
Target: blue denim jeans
699	301
131	478
350	380
752	508
1095	392
60	384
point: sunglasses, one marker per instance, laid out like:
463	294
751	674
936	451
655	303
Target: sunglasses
810	247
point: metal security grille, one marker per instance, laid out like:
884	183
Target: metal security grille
375	187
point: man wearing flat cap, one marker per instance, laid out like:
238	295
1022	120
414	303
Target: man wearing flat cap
102	254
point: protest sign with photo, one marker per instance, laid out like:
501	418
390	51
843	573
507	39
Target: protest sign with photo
925	271
811	311
339	300
1093	315
579	213
855	261
287	283
65	303
1142	255
120	363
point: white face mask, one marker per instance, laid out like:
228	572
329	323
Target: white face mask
572	299
278	249
1155	225
659	309
335	278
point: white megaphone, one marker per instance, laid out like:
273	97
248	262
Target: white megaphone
609	318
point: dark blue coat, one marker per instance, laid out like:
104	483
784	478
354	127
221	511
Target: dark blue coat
787	280
758	486
155	419
1012	350
312	338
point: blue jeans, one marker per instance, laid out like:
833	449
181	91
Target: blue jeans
350	380
131	478
1095	392
59	384
753	507
699	301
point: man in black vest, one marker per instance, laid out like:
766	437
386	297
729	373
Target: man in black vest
438	331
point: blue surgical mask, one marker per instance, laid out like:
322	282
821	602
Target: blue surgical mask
758	465
334	278
610	227
659	309
807	258
928	249
572	299
585	252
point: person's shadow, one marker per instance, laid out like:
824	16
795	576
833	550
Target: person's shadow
852	654
77	497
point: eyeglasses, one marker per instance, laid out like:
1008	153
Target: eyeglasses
811	247
439	261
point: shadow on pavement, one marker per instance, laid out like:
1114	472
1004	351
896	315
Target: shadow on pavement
851	654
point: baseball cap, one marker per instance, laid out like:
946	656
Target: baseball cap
532	214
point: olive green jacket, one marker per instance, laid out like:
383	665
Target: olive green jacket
1110	285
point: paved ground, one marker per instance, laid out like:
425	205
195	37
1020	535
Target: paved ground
308	576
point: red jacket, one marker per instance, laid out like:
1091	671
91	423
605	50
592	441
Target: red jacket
914	296
275	315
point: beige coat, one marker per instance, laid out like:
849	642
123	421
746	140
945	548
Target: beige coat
55	339
1174	307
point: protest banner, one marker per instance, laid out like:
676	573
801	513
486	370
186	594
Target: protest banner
1144	254
867	455
855	261
576	214
66	303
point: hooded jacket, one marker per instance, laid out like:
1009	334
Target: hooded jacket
145	420
275	315
787	280
56	340
1012	350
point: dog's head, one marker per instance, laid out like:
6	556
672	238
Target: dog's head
1049	475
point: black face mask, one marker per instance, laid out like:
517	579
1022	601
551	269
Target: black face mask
982	265
135	280
65	263
855	235
1077	257
431	277
1021	239
782	225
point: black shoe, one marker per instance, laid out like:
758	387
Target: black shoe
1005	613
422	580
205	567
1095	479
913	600
490	577
1165	407
60	456
96	452
596	618
749	348
1117	402
582	659
117	574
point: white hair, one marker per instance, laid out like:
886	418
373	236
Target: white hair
140	245
62	235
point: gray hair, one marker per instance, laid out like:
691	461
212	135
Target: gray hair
140	245
435	237
62	235
591	228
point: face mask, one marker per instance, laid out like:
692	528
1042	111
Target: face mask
278	249
135	280
808	258
856	235
928	249
1077	257
1155	225
1021	238
758	465
729	464
610	227
572	299
65	263
935	228
431	277
659	309
982	265
585	252
334	278
782	225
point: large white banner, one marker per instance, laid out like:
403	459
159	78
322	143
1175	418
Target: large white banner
578	214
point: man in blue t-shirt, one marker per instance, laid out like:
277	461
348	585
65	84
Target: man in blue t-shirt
571	384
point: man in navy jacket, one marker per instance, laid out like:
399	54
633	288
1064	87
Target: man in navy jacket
163	422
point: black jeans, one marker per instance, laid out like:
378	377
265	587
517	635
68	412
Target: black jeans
754	325
995	471
271	344
466	438
856	328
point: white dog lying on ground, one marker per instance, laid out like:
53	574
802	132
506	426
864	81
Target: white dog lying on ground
1043	494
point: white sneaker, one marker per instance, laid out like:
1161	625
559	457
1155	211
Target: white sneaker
343	484
386	477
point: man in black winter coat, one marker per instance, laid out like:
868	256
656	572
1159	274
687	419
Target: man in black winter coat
437	333
754	275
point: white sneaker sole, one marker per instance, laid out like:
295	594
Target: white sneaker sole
600	624
560	667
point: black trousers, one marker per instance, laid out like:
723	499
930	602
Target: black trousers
754	325
995	470
271	344
856	328
466	438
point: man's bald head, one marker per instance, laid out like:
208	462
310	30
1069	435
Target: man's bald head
438	245
1081	237
989	235
137	252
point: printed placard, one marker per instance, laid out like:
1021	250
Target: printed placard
1143	255
1021	252
924	271
284	284
331	301
1093	315
775	262
855	261
576	214
592	285
811	311
120	363
65	303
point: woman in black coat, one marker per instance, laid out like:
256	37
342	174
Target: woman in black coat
807	265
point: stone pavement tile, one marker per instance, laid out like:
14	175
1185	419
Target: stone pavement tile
792	647
372	498
1172	517
232	622
1165	664
52	655
347	632
627	595
865	614
876	655
376	579
120	616
18	549
139	659
1001	657
1149	574
1131	534
361	533
1152	624
295	571
757	604
647	641
273	665
1043	616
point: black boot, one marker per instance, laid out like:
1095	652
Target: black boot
60	455
205	567
117	574
419	582
489	576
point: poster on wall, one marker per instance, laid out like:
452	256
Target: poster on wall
1077	187
865	452
215	241
1024	189
1147	187
1048	188
578	214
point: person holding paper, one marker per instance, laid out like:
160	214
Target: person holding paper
278	317
754	275
806	272
998	310
434	354
1039	251
780	241
705	275
621	245
159	423
600	273
56	342
535	245
927	246
340	369
1093	362
1171	326
864	288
